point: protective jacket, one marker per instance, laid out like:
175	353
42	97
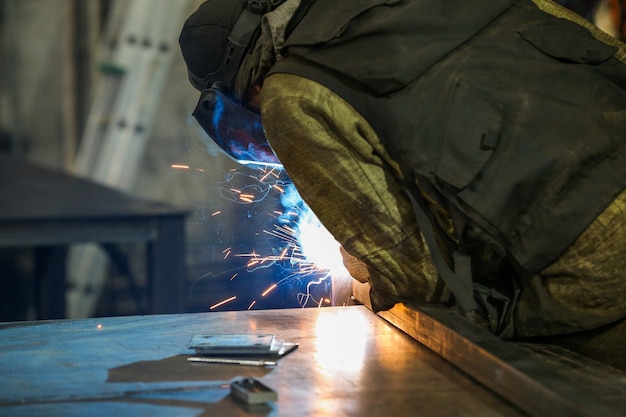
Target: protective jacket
509	115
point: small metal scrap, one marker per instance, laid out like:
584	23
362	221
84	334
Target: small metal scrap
237	361
252	391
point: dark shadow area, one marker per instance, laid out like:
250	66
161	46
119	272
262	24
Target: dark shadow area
177	368
210	393
17	284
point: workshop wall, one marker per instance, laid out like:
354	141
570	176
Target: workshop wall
50	73
48	76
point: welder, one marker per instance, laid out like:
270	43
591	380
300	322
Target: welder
465	152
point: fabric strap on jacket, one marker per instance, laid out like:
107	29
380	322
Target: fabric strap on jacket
458	281
471	298
298	15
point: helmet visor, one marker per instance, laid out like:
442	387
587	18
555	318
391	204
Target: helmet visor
235	129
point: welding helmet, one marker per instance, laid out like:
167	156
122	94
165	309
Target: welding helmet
216	37
213	42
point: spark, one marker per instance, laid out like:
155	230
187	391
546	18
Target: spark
252	254
267	291
221	303
282	233
263	178
283	253
304	298
296	261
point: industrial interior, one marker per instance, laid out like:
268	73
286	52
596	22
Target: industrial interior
124	233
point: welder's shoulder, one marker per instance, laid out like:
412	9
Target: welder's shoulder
284	94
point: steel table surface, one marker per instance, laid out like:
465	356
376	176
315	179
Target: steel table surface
350	362
45	208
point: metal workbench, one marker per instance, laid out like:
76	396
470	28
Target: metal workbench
350	362
51	210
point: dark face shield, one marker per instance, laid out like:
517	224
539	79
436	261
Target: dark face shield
235	129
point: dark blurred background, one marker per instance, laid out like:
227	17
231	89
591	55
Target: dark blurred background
59	62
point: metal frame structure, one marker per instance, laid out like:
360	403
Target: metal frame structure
135	56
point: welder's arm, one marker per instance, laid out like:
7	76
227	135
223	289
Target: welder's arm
336	161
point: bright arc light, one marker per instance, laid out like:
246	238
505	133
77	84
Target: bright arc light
318	246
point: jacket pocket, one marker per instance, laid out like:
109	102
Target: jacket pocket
567	41
470	134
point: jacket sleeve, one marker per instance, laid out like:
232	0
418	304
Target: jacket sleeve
343	172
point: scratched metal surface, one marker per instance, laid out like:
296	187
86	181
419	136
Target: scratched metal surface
349	363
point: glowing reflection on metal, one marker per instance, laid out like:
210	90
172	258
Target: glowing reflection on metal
341	342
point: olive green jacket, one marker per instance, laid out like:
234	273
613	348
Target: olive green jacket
513	116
